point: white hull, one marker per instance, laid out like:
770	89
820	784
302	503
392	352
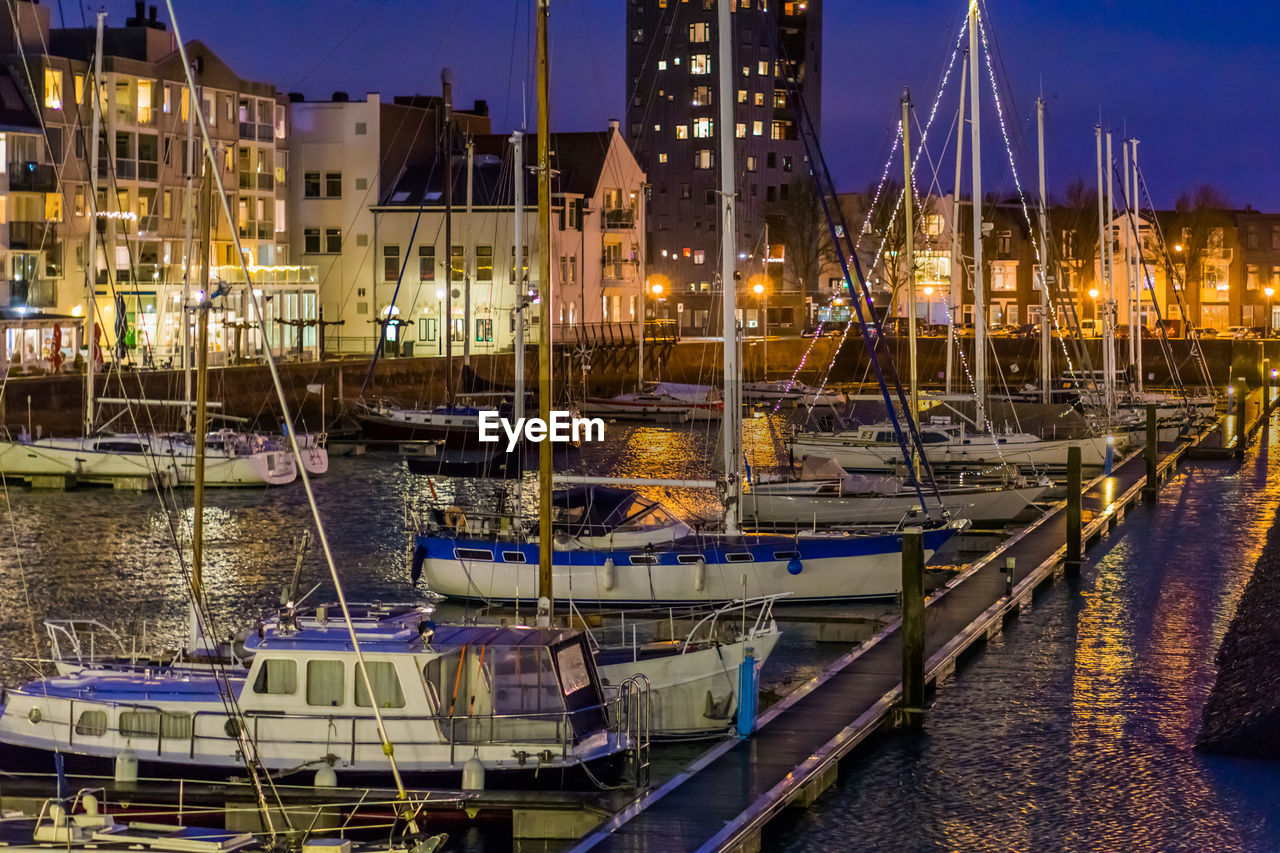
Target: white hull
695	693
872	575
977	450
171	462
768	504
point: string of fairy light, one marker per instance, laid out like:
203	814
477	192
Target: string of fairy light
866	224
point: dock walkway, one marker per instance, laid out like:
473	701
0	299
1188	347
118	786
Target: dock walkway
723	799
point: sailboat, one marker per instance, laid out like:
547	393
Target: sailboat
627	559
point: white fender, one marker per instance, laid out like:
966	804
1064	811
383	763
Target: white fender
610	575
700	575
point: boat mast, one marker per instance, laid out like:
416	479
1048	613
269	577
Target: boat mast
1139	271
908	222
728	284
1046	350
91	269
202	405
979	301
1130	278
955	288
1109	327
446	322
189	211
545	538
469	262
517	267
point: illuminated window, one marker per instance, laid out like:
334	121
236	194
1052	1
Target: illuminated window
751	164
700	63
53	88
145	88
484	263
757	128
701	96
699	33
390	262
742	96
740	130
662	65
699	256
703	128
79	83
682	131
759	99
762	68
662	157
702	159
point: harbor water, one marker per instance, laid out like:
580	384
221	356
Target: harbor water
1072	731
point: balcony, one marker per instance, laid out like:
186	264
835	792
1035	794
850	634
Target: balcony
32	236
28	177
40	293
620	218
618	270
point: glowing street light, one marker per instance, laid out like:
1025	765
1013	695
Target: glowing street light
1270	291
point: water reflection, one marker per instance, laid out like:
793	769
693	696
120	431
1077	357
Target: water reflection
1075	730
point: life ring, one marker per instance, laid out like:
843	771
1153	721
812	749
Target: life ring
455	519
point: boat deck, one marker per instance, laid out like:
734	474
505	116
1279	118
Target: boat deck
723	799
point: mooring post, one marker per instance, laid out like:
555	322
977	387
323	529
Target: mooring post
913	628
1266	390
1152	452
1072	562
1242	416
1010	565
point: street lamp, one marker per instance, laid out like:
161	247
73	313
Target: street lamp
1270	291
758	289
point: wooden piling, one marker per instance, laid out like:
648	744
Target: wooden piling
1152	453
913	629
1071	564
1242	416
1266	392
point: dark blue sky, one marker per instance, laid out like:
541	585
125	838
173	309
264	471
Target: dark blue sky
1198	82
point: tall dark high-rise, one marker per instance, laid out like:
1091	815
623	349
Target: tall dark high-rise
672	120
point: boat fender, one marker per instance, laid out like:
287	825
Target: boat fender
610	575
700	575
794	566
326	777
473	773
126	767
415	566
455	519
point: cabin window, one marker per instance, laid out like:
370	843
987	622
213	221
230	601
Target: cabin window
786	555
325	682
689	559
644	560
524	681
884	437
573	669
385	684
513	557
278	676
92	723
473	554
151	723
741	557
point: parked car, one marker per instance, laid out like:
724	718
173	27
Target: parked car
1003	330
1208	333
1235	332
1255	333
1029	330
1089	328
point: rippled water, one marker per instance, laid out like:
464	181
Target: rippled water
1074	731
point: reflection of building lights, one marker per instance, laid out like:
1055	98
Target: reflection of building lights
118	214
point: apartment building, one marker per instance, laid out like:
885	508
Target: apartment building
672	117
597	264
346	154
144	204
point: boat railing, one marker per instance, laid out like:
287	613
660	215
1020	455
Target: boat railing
706	623
634	724
206	732
77	641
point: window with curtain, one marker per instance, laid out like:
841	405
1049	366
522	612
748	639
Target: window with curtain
92	723
385	684
325	683
277	676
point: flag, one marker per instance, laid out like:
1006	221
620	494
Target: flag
315	388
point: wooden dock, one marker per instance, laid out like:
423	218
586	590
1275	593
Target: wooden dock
723	799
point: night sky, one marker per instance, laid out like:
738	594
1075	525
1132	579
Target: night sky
1197	82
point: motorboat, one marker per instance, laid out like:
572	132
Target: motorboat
667	401
525	702
455	426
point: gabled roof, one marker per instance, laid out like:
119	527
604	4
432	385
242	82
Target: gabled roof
577	158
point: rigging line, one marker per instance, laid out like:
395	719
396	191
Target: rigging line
347	35
255	300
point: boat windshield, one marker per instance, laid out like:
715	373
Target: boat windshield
597	510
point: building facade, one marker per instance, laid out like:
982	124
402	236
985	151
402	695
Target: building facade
144	205
672	125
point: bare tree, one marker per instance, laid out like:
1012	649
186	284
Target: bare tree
1075	223
805	236
1199	219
